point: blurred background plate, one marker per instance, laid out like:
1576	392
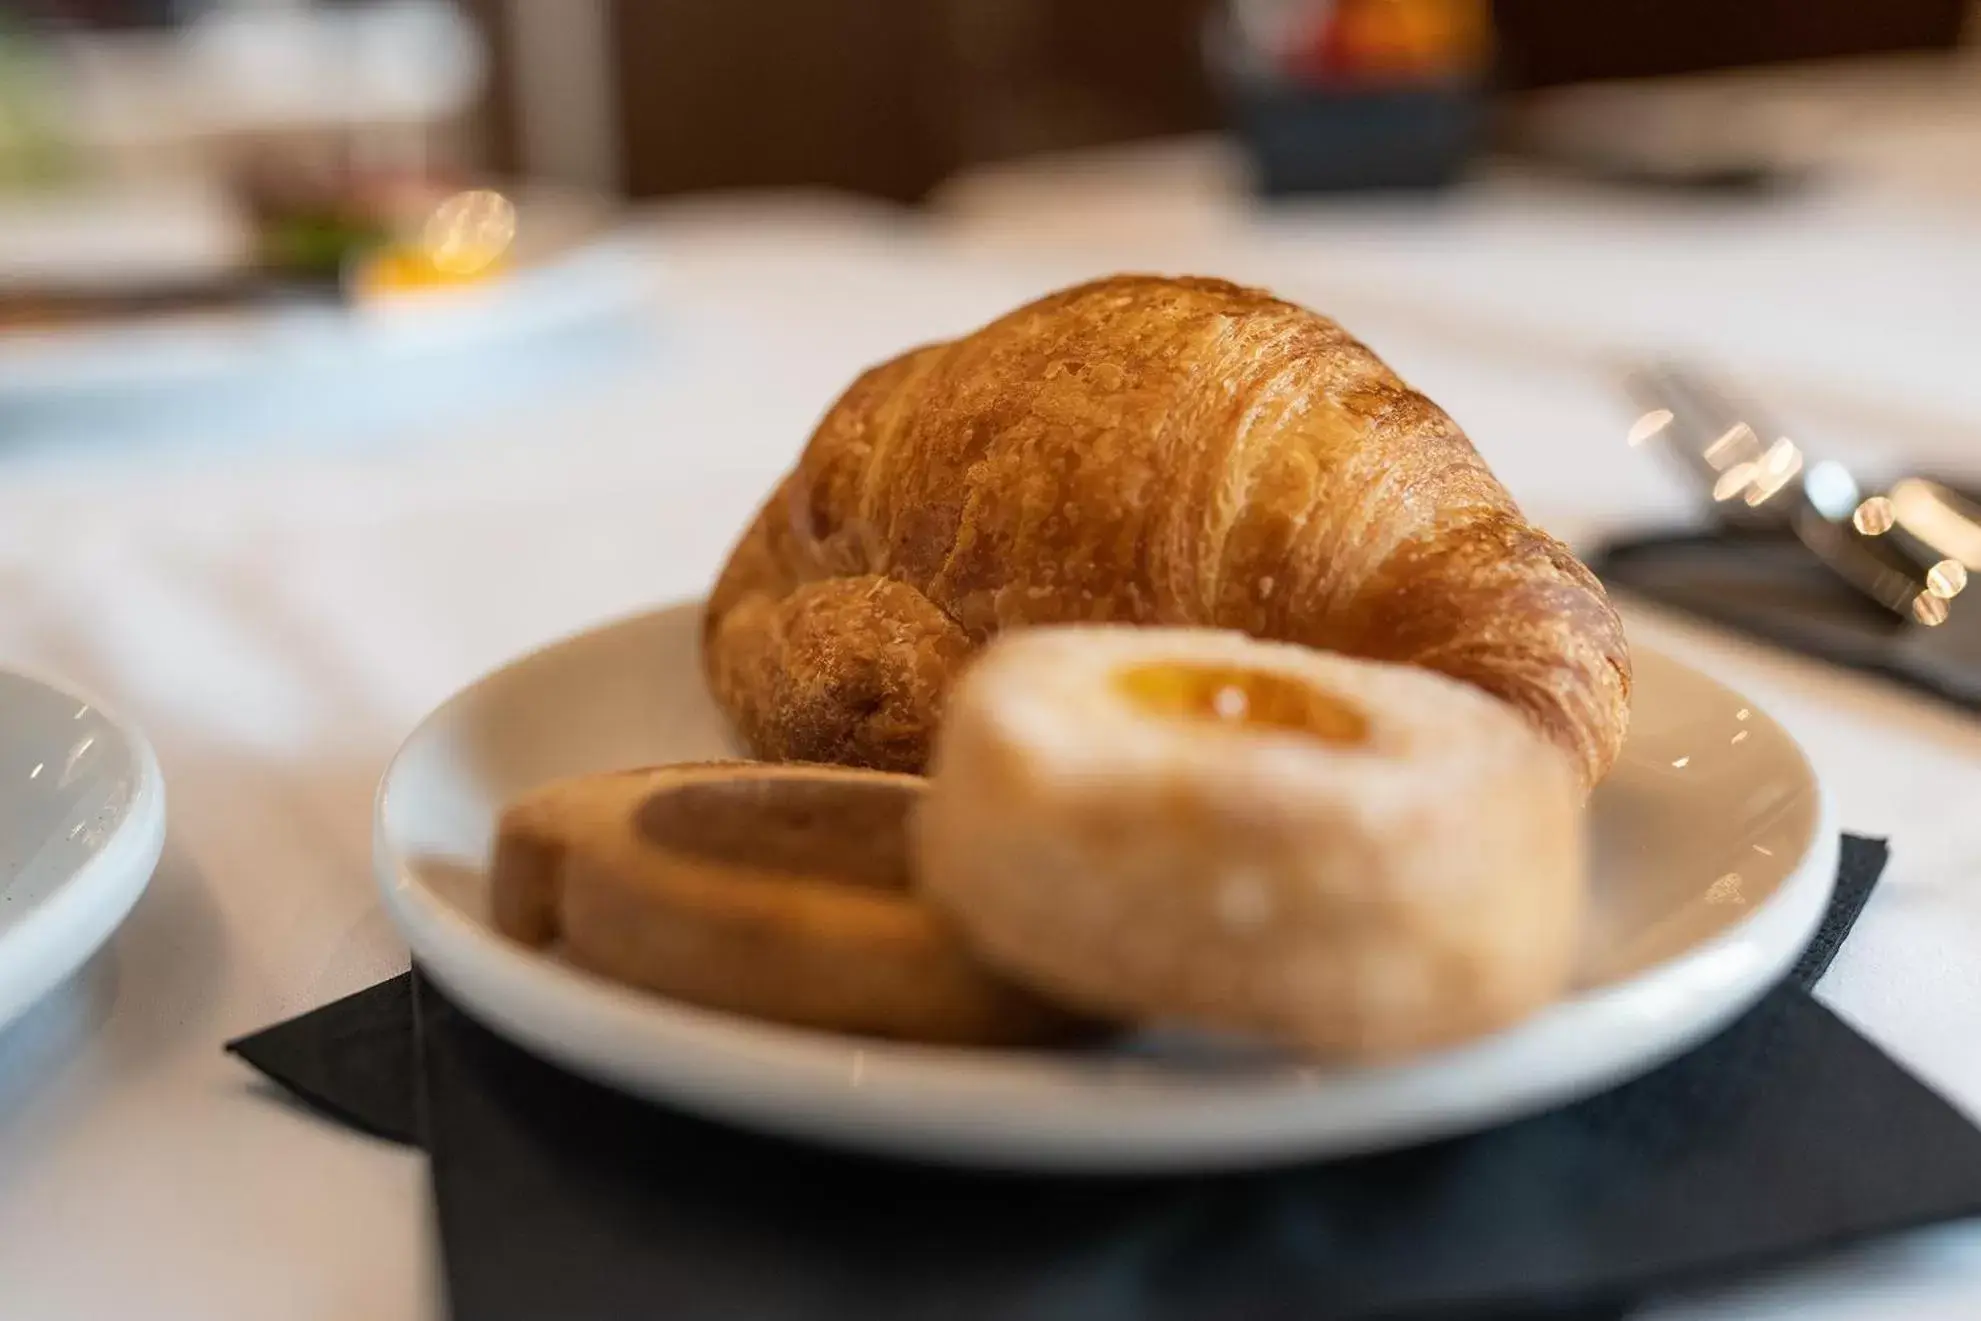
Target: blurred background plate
566	300
82	822
224	218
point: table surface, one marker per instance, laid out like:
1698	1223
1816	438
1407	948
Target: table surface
277	613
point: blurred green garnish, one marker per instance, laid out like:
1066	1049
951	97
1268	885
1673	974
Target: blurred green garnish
31	147
318	246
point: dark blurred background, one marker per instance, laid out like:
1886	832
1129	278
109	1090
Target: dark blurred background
174	156
891	96
885	97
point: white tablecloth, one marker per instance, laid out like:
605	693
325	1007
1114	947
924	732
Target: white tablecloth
277	614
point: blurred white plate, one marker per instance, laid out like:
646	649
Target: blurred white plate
82	821
222	350
1713	863
574	296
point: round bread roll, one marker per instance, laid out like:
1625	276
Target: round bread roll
1353	858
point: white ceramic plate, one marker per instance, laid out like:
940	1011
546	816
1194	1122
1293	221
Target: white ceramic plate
82	821
1713	862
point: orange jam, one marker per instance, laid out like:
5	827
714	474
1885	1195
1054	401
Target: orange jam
1235	698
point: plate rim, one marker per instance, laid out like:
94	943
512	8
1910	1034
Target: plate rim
69	924
122	359
738	1071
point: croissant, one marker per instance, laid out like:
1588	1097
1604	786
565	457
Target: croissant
1152	451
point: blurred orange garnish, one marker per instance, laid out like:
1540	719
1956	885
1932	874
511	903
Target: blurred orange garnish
466	238
407	268
1386	40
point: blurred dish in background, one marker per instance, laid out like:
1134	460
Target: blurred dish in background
1369	42
295	237
1332	95
405	318
303	138
239	219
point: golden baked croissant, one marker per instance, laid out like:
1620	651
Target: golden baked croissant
1150	451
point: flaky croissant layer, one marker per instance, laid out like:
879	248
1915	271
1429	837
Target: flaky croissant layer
1154	451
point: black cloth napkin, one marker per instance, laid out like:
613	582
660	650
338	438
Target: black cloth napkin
1766	584
1787	1134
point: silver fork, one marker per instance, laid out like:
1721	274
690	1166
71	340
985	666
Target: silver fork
1910	548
